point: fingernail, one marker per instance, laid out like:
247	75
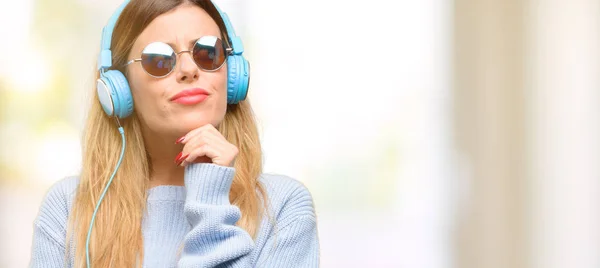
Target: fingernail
182	159
177	157
180	140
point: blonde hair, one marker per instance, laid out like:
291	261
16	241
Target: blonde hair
116	239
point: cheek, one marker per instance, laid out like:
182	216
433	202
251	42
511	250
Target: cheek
220	82
221	87
217	109
147	94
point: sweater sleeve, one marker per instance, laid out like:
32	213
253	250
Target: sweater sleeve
45	251
295	241
48	245
215	241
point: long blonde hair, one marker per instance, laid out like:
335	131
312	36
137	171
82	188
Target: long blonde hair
116	239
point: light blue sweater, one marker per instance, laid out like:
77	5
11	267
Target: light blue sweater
200	216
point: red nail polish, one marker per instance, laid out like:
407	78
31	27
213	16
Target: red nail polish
177	157
182	159
179	140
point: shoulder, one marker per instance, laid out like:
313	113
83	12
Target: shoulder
59	195
288	198
54	210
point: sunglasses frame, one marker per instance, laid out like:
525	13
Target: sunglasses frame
228	52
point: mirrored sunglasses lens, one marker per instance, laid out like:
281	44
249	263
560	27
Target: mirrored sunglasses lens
158	59
209	53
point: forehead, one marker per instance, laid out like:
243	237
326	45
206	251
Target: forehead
179	26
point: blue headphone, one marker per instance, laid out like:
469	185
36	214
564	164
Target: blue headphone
113	89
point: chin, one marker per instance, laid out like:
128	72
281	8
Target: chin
188	125
193	121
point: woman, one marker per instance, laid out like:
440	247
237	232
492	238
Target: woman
181	64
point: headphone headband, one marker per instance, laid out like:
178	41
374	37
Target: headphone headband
105	57
236	41
113	88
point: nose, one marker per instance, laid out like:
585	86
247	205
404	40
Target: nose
187	70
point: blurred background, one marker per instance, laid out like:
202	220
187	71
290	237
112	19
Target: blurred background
470	138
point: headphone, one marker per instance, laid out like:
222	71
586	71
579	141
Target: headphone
113	88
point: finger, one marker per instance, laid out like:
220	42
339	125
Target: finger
204	137
204	150
195	142
201	139
196	132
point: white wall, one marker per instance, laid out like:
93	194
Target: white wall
565	120
354	101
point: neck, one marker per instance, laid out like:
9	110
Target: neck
162	151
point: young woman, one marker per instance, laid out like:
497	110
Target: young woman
176	179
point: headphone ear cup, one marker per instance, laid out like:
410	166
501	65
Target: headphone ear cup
238	78
114	94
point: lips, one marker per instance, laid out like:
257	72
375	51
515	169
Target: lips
190	96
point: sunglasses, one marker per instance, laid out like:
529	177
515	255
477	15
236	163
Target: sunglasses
159	59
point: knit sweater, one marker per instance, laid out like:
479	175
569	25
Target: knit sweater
200	217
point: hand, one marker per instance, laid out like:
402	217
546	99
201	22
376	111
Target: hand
204	145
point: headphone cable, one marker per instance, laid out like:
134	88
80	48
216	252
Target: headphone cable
87	242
